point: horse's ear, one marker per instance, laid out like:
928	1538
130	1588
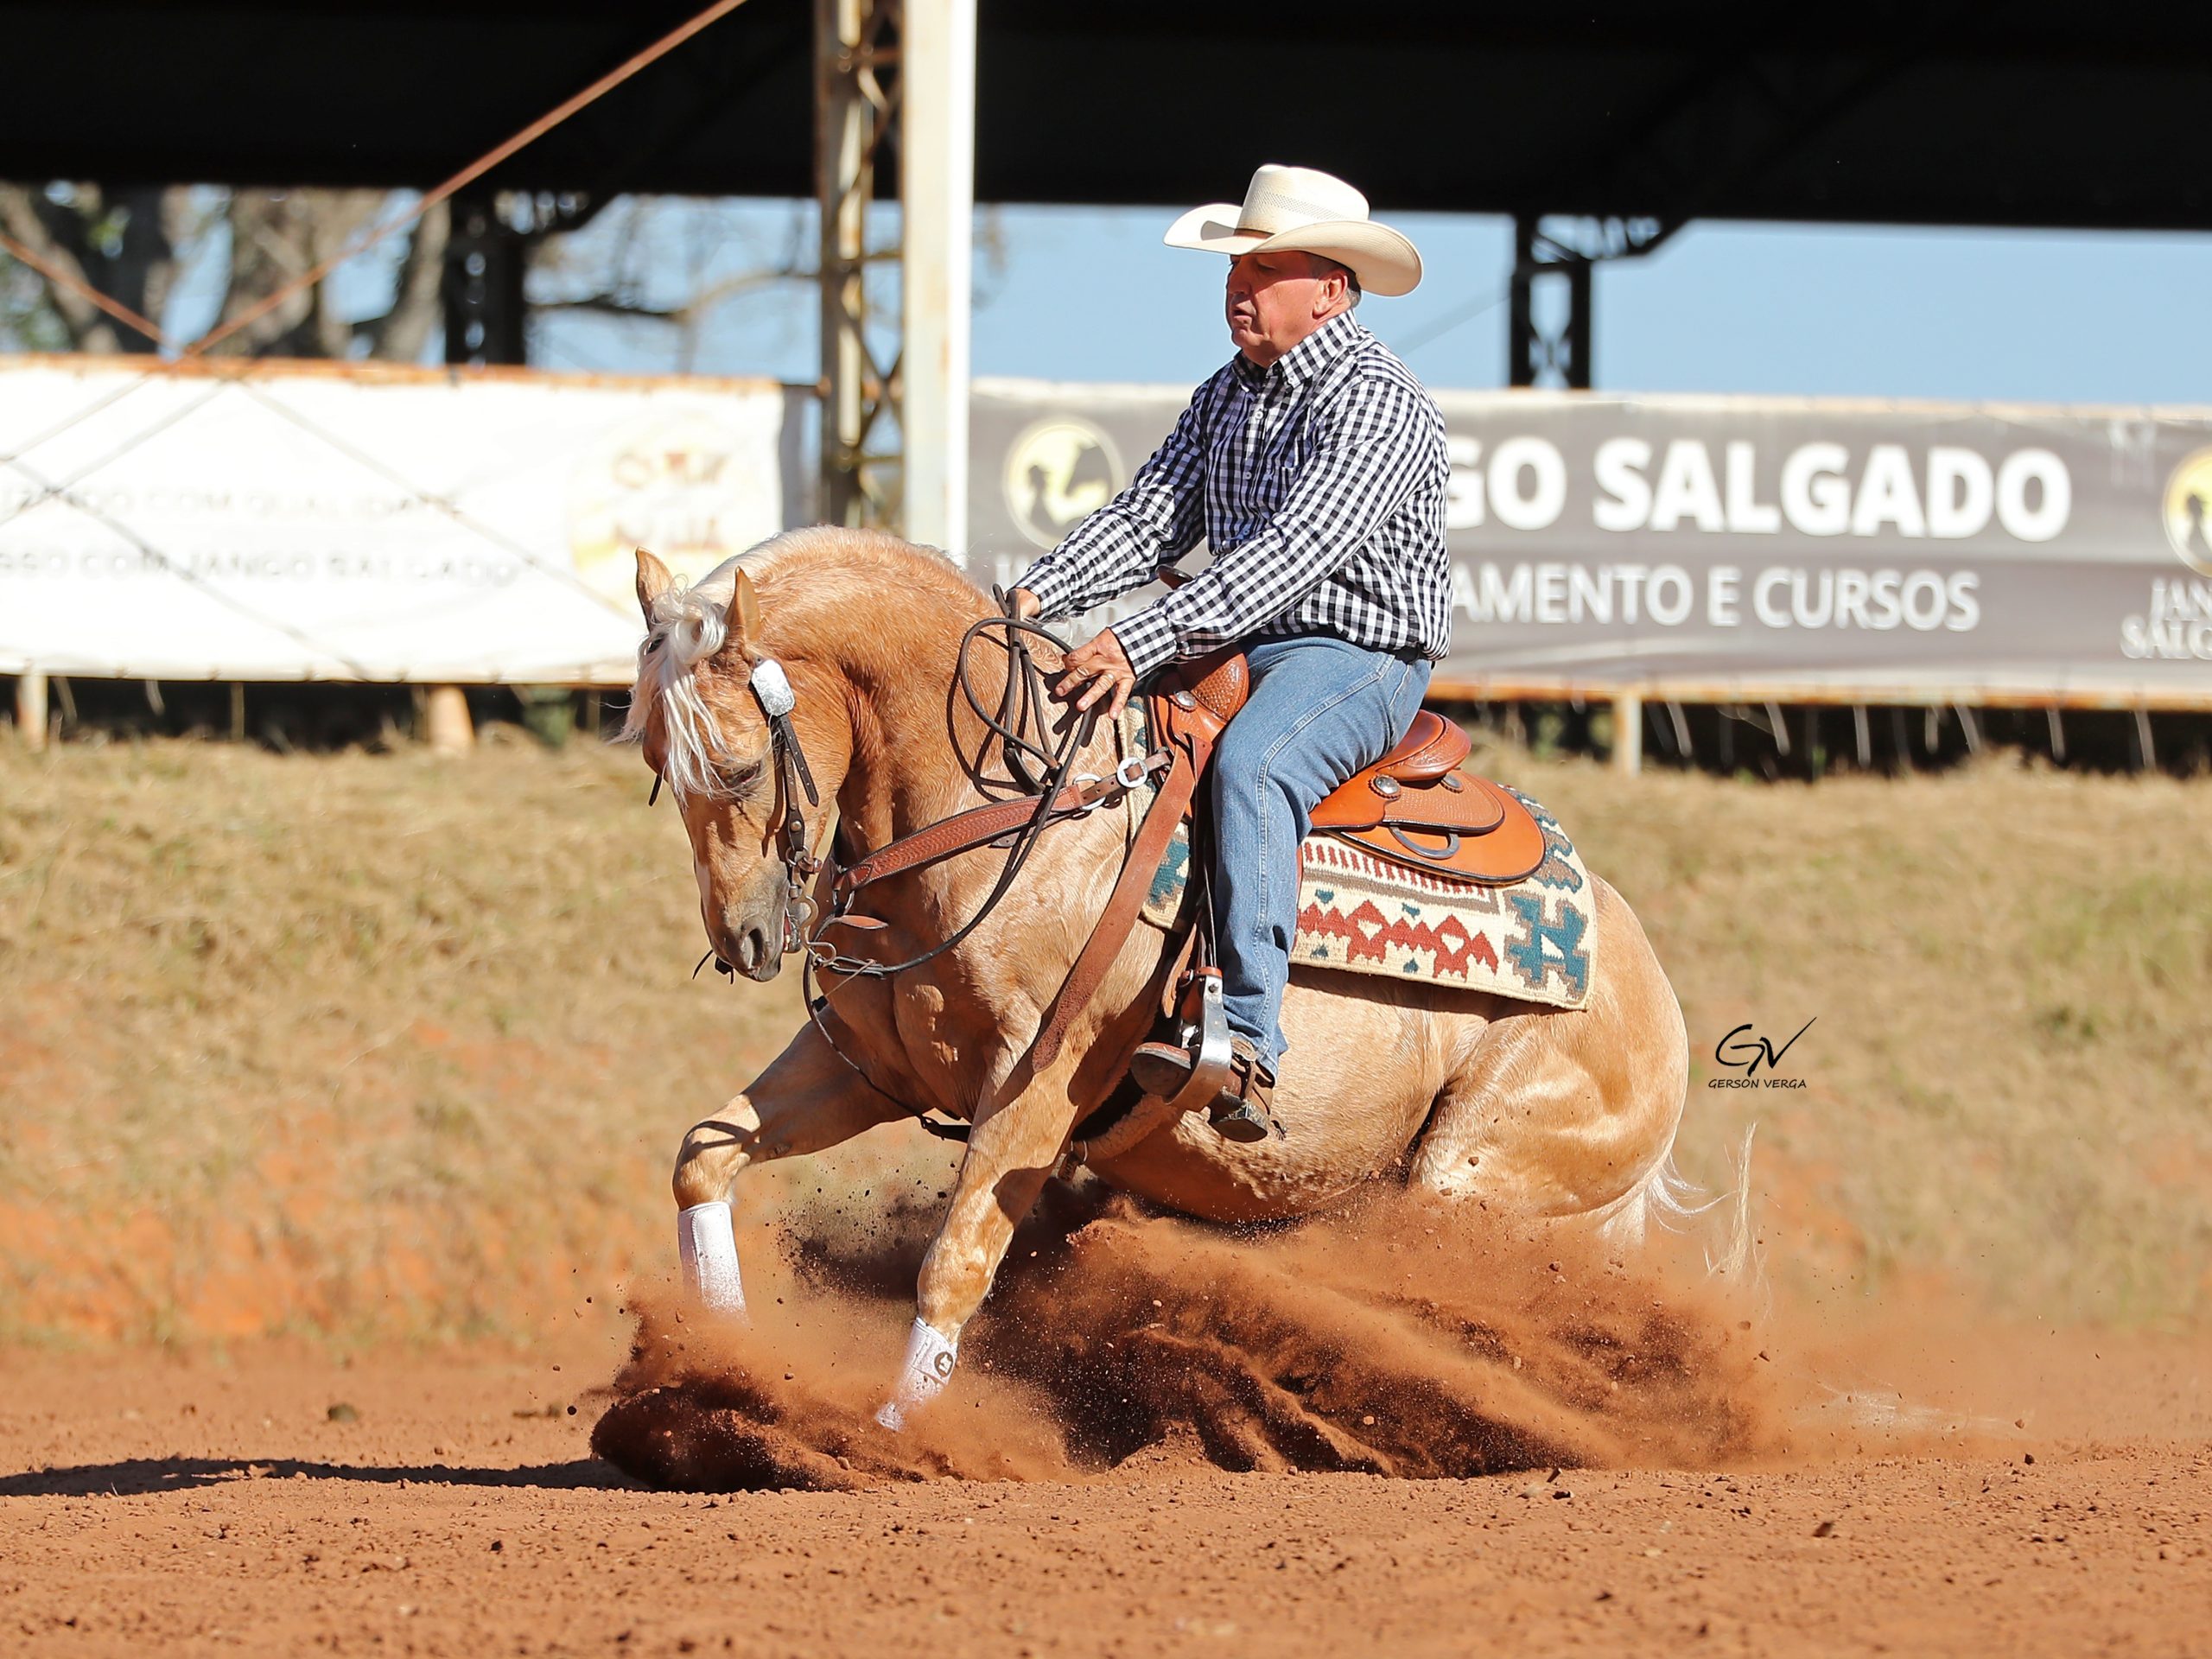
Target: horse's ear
744	621
654	579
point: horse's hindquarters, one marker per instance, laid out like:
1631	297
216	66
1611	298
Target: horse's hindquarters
1560	1113
1535	1111
1367	1059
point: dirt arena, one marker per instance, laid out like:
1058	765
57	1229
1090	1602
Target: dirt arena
335	1107
457	1509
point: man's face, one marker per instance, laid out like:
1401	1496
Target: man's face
1275	300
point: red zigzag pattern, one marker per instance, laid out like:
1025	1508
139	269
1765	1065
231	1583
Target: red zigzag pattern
1367	935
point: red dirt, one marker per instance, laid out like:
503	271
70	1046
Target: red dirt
200	1508
455	1505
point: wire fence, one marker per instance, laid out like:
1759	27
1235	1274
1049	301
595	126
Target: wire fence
1762	742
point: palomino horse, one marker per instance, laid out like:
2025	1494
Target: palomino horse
1540	1112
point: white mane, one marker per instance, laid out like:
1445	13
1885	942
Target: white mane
844	570
689	625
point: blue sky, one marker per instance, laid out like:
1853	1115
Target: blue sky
1087	294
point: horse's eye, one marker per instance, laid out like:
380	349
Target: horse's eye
739	779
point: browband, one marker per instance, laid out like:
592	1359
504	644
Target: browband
772	688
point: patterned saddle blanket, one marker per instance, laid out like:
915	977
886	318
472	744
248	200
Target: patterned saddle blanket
1532	941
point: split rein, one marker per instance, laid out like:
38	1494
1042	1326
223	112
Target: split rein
1041	776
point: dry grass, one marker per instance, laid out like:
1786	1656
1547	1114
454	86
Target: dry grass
378	1045
360	1044
2010	1079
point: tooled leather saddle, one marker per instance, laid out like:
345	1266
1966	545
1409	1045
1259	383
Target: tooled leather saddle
1414	807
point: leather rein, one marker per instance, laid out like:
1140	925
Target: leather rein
1055	794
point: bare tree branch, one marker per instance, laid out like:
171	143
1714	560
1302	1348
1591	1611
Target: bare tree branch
133	245
276	237
89	328
402	332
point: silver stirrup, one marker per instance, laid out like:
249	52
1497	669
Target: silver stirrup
1209	1039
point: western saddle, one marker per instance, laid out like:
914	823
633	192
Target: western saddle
1414	807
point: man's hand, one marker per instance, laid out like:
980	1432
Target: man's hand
1100	669
1026	604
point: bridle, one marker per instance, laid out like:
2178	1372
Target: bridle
772	689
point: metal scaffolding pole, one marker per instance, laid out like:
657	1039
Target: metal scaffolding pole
1523	347
1560	357
894	437
482	291
1564	356
936	190
856	96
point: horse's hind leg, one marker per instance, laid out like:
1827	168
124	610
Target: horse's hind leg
1559	1112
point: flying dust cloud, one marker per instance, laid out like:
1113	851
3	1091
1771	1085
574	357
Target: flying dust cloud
1400	1336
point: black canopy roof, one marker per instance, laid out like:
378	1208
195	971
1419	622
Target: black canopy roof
2030	113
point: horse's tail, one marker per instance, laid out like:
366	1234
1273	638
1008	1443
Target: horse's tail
1739	1262
1670	1200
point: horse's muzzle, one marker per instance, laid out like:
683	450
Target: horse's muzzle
754	948
758	957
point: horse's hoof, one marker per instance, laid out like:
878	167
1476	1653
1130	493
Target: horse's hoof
1246	1124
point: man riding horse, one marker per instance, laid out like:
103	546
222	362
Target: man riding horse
1313	465
809	705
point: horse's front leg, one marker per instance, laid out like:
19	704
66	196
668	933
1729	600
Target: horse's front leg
806	1100
1010	1154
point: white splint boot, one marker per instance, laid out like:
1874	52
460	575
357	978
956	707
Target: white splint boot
928	1367
708	1247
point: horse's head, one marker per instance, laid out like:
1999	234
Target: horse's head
706	735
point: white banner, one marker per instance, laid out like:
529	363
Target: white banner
299	521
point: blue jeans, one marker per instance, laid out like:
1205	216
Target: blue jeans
1321	708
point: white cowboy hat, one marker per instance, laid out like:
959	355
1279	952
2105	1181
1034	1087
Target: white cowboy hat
1295	208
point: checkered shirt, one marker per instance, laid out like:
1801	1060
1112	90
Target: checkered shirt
1318	484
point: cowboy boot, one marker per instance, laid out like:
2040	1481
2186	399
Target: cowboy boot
1243	1111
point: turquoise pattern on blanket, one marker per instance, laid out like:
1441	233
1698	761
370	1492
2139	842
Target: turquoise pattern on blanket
1549	944
1165	896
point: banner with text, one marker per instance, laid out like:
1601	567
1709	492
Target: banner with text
303	522
296	521
1719	542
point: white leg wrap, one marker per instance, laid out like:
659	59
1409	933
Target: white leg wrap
709	1249
922	1377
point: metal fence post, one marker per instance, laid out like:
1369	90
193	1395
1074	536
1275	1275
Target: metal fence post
31	707
937	199
1628	733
